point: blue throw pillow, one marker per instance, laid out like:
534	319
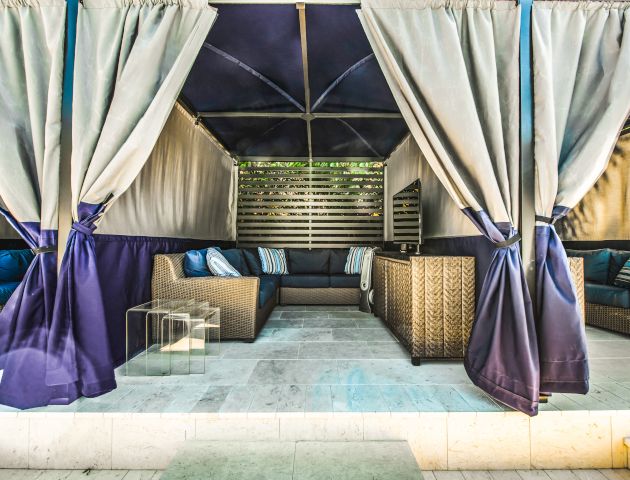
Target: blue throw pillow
623	277
596	264
195	263
14	263
273	260
219	266
355	260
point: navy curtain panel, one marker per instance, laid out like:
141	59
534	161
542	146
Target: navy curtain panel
581	60
132	58
453	68
24	324
31	78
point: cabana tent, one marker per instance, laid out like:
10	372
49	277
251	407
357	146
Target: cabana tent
309	83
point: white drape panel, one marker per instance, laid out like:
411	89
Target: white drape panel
454	71
185	190
442	216
31	79
581	54
131	62
604	213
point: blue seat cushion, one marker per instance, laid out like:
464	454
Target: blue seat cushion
308	261
338	258
14	263
6	290
305	280
268	287
607	295
618	258
235	257
596	264
345	281
253	262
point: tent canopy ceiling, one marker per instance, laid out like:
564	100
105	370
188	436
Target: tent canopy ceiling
248	85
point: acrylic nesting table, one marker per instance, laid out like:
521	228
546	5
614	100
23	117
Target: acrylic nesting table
171	337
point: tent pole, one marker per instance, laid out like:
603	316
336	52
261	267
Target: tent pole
65	185
528	171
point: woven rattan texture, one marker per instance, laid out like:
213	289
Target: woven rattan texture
576	266
427	302
611	318
237	297
319	296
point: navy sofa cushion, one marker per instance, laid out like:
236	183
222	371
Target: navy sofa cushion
14	263
253	262
338	258
617	260
267	290
607	295
345	281
236	258
596	264
308	261
311	280
6	290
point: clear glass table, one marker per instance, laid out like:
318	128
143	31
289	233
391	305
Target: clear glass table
171	337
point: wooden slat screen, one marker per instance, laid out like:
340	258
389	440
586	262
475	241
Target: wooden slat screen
407	211
316	205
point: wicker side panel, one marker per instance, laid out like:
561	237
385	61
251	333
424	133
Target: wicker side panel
236	297
399	302
576	266
452	306
468	299
418	313
319	296
434	307
610	318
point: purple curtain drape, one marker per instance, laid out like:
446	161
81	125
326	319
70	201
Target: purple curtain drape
502	353
562	344
83	355
25	324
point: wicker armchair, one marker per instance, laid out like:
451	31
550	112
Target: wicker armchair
241	317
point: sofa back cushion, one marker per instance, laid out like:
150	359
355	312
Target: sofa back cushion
236	258
253	262
195	263
14	263
308	261
596	264
338	258
618	259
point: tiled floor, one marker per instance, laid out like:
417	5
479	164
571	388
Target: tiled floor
337	359
428	475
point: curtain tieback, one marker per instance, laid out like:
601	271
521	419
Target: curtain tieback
509	242
549	220
40	250
84	229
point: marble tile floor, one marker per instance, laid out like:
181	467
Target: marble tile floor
617	474
337	359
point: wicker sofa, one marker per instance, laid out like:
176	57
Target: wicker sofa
607	306
315	278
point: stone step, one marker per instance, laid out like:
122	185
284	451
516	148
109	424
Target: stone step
366	460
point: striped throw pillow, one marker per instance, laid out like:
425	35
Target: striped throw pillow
355	260
623	277
274	261
218	265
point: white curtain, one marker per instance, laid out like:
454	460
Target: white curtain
132	58
187	189
581	63
453	68
31	81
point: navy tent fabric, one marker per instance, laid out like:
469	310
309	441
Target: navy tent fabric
252	62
